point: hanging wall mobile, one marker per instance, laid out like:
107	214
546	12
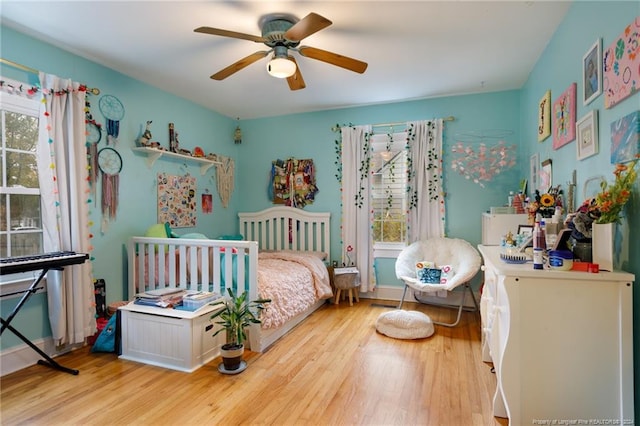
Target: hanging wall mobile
113	112
110	163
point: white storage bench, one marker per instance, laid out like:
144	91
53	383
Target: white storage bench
170	338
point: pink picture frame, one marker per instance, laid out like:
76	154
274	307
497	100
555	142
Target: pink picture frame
564	117
621	65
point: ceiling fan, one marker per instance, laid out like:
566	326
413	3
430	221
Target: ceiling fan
283	33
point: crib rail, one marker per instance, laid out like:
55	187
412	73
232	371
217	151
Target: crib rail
192	264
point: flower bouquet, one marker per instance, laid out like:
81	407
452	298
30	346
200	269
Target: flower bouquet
613	197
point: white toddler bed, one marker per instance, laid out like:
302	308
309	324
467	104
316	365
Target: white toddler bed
281	258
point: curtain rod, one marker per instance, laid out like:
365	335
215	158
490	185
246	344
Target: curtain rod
400	123
337	128
92	90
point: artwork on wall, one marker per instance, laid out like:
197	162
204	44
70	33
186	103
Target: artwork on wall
625	138
546	175
534	172
485	163
564	117
177	200
621	63
587	135
293	182
207	203
544	116
592	73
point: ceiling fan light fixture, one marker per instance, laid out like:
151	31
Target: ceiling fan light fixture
281	67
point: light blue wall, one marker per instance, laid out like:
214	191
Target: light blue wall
196	125
557	68
310	136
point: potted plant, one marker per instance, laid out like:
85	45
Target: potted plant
236	314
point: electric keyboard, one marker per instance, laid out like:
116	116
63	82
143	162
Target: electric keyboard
53	260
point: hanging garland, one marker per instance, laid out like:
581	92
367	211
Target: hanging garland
485	163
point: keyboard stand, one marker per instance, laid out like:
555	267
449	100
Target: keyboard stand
6	324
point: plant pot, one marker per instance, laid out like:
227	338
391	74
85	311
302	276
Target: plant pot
231	357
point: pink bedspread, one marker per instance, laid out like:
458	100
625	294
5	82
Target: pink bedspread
293	281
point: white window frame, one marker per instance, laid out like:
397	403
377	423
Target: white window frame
16	283
378	144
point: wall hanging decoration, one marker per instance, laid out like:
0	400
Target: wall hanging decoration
177	200
544	116
564	117
110	164
94	135
621	63
113	111
293	182
592	73
224	177
587	134
207	202
625	138
480	162
237	134
534	173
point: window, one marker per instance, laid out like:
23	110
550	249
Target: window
20	214
389	193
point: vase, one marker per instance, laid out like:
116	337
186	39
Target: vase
609	245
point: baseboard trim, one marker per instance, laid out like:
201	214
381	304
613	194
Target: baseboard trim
395	293
22	356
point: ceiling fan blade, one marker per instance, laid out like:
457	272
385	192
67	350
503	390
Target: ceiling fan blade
232	34
296	82
308	25
235	67
334	59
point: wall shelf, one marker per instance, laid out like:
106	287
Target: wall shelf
153	155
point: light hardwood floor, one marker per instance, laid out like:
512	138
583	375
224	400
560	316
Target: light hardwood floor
334	369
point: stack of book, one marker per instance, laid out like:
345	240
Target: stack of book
164	298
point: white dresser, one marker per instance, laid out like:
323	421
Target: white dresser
561	343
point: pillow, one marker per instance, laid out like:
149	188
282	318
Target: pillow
194	236
236	237
427	273
159	230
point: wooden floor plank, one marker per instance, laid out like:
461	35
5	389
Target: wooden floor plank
334	369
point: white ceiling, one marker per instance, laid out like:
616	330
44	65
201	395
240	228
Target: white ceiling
415	49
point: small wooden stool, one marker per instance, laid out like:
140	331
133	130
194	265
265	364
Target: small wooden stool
346	279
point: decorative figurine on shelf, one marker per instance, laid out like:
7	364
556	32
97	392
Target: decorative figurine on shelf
173	139
198	152
145	139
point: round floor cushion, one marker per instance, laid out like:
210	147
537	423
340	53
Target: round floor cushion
401	324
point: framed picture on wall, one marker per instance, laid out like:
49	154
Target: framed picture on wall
544	117
587	135
534	172
592	73
564	117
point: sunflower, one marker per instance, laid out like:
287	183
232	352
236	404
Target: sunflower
547	200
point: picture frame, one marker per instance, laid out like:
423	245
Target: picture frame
592	73
546	175
534	170
625	138
525	230
564	117
544	116
621	66
587	135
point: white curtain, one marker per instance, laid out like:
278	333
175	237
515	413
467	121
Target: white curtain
357	242
426	218
64	187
